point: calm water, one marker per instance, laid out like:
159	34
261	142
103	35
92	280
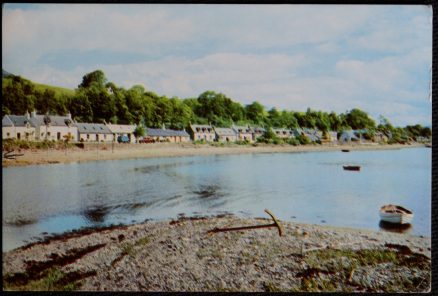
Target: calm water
307	187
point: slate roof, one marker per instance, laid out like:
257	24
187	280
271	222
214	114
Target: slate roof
242	129
18	120
92	128
121	128
158	132
6	121
258	129
55	120
348	135
282	131
224	131
194	127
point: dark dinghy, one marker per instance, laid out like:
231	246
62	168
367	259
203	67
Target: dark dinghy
351	167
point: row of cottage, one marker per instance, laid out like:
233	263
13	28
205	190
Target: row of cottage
36	127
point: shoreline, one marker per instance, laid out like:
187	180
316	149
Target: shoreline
98	152
179	255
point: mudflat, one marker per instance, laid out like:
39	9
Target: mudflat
180	255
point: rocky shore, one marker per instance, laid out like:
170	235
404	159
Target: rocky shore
181	255
94	151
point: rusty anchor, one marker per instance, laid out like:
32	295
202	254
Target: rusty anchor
275	224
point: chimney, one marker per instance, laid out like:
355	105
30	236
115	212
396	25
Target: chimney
163	127
27	115
33	114
69	115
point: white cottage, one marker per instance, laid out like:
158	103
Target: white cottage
54	127
94	132
18	127
122	130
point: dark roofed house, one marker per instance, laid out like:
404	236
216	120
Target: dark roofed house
54	127
225	134
258	132
18	127
94	132
167	135
283	133
244	133
200	132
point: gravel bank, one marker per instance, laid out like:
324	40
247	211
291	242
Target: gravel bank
180	256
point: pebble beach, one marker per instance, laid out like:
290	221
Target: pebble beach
181	255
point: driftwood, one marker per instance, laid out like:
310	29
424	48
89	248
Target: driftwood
10	155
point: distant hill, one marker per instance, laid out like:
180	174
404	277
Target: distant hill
6	74
7	79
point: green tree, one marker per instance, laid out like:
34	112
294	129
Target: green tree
256	113
358	119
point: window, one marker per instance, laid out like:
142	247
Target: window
18	136
88	136
104	136
8	134
48	134
58	136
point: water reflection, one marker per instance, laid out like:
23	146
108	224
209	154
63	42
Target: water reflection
392	227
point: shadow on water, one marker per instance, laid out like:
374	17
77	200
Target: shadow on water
209	191
96	214
157	167
398	228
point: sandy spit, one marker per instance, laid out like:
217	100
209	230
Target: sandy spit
180	255
94	152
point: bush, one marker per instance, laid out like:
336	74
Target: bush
202	141
277	141
242	142
293	142
303	140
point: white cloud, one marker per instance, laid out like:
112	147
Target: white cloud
289	56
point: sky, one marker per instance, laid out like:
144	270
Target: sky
376	58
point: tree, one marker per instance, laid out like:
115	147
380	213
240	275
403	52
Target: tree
139	131
96	78
256	112
358	119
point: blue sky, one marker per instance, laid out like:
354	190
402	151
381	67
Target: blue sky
326	57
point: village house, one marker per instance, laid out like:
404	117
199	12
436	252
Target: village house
225	134
39	127
257	132
54	127
18	127
313	135
122	130
380	137
350	136
94	132
283	133
167	135
202	132
244	133
330	137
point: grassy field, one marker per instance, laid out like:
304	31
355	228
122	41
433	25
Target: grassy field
42	87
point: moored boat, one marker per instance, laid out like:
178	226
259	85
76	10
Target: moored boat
351	167
395	214
345	150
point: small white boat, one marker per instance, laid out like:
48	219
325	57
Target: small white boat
395	214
